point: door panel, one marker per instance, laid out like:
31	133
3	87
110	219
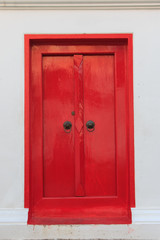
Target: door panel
100	162
58	94
58	145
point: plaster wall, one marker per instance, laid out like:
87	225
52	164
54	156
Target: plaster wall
144	24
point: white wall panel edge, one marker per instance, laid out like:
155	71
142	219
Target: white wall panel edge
13	225
143	215
20	216
83	4
13	216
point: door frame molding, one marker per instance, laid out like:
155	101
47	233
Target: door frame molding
31	38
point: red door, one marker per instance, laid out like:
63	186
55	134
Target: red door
79	169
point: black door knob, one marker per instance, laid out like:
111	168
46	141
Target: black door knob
67	126
90	126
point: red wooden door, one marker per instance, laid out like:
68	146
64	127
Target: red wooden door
79	171
84	169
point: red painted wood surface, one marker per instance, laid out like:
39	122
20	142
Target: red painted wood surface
79	176
79	125
58	147
99	102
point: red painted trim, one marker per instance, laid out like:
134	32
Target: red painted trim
131	120
79	126
36	38
78	36
26	141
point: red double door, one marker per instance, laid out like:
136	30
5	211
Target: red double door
79	161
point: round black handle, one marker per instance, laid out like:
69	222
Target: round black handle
90	126
67	126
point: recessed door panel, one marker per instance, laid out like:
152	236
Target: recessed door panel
99	106
58	143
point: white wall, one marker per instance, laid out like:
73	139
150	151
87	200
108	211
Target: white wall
145	26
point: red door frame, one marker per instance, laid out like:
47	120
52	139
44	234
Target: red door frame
128	38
